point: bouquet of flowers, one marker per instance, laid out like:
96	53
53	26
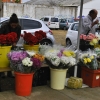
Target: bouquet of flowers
60	58
33	39
88	59
8	39
25	61
88	41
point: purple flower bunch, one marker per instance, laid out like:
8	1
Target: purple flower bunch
17	56
36	63
21	61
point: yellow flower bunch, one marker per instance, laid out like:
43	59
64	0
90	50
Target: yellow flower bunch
94	42
39	56
69	53
88	59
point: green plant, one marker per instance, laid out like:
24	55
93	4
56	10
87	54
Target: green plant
17	1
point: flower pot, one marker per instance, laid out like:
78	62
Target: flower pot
23	83
30	47
57	78
4	62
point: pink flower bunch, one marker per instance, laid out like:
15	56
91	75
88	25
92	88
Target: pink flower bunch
17	56
88	37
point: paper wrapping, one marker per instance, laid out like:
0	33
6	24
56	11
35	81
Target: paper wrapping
74	82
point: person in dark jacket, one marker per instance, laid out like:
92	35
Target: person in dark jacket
11	26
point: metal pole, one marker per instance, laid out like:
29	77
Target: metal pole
78	38
0	9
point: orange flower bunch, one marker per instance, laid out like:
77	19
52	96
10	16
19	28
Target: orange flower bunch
39	56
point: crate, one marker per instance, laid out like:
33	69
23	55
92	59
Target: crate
41	76
90	77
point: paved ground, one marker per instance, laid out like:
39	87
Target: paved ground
47	93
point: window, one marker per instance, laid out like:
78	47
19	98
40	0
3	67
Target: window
70	20
46	19
30	24
75	27
3	22
54	19
42	19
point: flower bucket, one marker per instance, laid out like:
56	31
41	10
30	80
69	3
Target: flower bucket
4	62
57	78
30	47
23	83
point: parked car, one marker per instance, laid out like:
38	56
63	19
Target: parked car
72	34
51	21
70	21
63	24
32	25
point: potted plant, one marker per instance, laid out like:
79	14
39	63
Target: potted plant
59	60
6	41
24	64
31	41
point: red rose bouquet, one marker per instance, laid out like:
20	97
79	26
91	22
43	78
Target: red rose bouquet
33	39
8	39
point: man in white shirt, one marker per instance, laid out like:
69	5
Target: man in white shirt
89	22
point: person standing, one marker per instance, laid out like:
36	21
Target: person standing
89	22
11	26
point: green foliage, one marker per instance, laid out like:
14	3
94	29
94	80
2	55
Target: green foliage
17	1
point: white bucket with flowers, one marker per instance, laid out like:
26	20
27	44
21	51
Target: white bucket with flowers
59	60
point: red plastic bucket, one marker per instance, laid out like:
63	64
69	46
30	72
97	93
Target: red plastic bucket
23	83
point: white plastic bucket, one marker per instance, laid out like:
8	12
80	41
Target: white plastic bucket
57	78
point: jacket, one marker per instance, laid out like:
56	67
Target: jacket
6	28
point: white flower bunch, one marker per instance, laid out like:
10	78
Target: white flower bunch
27	62
68	60
82	55
64	60
55	60
44	48
49	54
72	61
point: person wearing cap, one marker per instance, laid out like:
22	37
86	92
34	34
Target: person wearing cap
11	26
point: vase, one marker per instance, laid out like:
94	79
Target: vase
31	47
4	50
23	83
57	78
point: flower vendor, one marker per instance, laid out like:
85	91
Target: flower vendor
89	22
14	29
11	26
